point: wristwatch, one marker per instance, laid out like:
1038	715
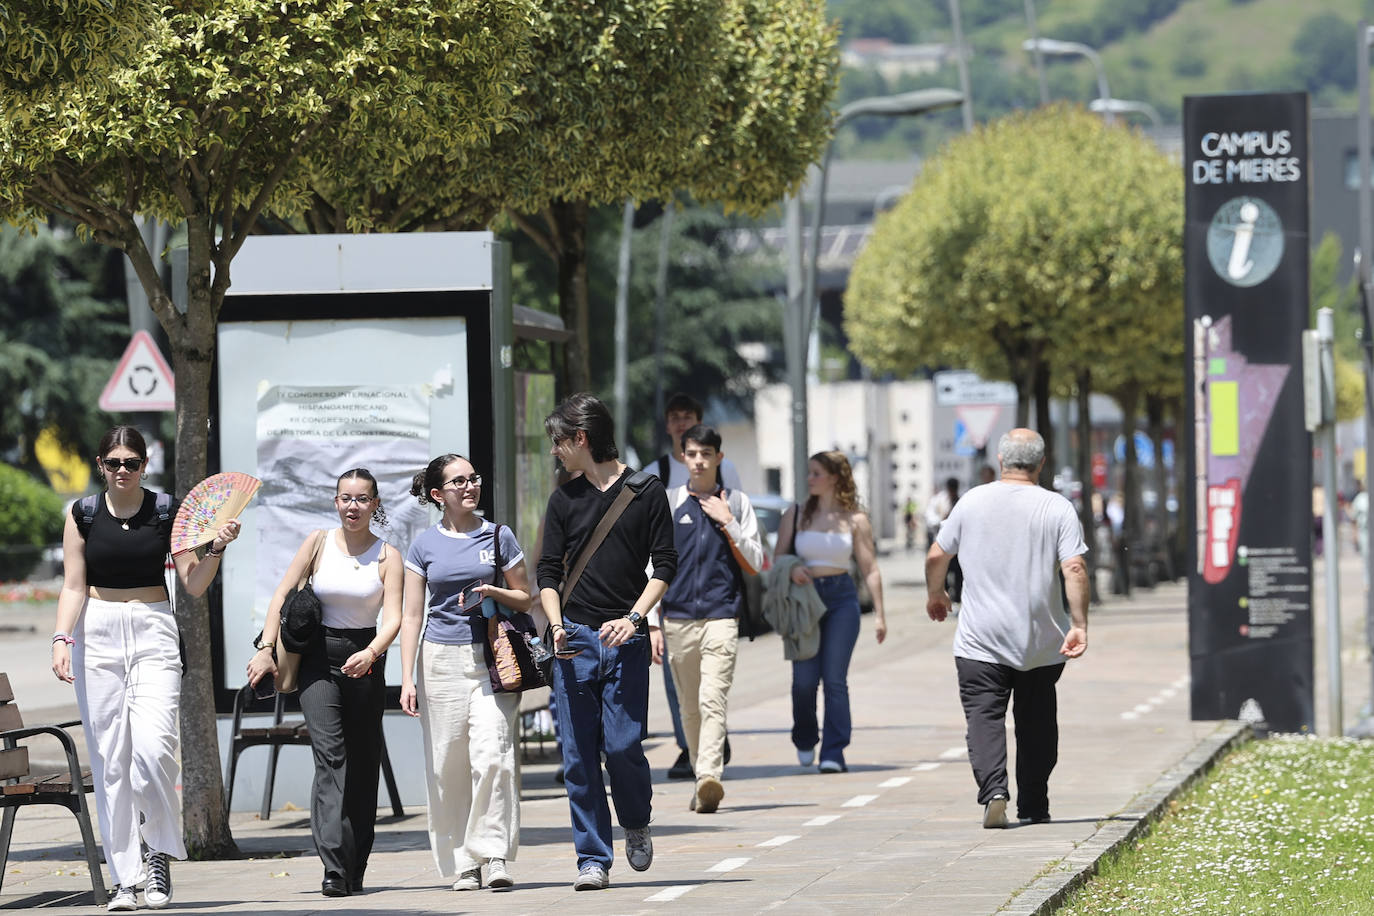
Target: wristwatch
634	617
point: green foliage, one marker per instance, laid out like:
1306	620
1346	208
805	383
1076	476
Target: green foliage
49	42
1347	323
32	519
58	341
1324	54
1041	238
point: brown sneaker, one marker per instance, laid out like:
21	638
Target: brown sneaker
709	794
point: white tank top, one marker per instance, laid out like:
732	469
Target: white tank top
825	548
349	588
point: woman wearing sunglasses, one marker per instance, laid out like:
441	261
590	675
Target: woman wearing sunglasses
116	639
343	681
474	799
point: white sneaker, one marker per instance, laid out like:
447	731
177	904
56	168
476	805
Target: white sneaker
995	813
591	877
157	891
124	900
639	848
807	757
498	875
469	880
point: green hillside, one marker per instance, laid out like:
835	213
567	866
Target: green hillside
1155	51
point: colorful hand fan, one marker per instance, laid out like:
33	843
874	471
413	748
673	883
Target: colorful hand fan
211	503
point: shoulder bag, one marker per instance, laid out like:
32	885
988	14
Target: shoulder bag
510	658
301	613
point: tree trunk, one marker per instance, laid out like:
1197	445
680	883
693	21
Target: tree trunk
568	228
1043	424
1084	385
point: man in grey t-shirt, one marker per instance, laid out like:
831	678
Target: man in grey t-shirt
1013	538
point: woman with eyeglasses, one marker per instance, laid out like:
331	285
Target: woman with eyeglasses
469	730
342	680
116	639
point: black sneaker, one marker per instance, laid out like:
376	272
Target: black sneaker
727	749
157	891
681	768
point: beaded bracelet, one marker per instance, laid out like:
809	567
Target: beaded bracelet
63	637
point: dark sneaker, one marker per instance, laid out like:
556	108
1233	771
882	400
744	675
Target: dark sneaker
639	847
681	768
469	880
995	813
157	891
727	749
1034	819
591	877
709	794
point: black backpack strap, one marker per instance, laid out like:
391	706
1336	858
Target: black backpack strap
720	478
638	480
163	504
663	470
85	517
499	578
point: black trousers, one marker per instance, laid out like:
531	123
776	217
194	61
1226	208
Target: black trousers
345	719
984	689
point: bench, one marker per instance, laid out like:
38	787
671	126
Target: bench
276	736
19	788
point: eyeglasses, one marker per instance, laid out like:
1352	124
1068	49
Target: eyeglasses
128	464
363	501
460	481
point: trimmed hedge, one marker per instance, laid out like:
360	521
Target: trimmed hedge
31	520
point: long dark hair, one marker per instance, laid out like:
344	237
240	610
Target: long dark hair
587	413
378	516
432	478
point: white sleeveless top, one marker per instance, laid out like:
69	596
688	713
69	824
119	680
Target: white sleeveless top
349	588
825	548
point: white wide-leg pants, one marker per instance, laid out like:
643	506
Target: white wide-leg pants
474	798
127	664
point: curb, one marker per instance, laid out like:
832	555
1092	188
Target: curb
1047	893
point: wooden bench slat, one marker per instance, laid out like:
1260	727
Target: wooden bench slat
14	763
9	717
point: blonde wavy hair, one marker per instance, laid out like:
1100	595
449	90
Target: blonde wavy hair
846	493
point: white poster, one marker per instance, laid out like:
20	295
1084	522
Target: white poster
307	436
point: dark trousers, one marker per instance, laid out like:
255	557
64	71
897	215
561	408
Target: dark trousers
984	689
345	719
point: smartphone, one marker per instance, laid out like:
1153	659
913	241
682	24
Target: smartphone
470	600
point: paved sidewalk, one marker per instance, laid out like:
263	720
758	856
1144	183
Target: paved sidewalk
900	831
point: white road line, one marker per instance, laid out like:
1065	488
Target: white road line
924	767
858	801
1130	715
670	893
728	864
1168	692
954	753
1181	682
1143	708
780	839
822	820
894	782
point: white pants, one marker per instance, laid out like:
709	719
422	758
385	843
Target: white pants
474	798
127	664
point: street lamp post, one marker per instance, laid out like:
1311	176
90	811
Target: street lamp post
1074	49
1127	106
1364	40
799	316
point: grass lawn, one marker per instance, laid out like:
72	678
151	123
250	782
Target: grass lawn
1281	826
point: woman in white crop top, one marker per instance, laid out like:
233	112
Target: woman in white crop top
832	532
343	681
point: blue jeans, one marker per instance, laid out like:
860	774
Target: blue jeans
603	701
670	693
828	667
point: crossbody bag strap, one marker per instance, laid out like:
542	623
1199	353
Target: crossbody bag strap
314	560
603	528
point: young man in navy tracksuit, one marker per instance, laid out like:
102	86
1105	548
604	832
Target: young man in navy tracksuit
717	540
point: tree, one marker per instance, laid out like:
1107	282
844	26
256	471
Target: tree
66	41
207	122
58	341
1045	239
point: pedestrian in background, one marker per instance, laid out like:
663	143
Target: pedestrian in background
600	630
939	508
1014	538
829	533
356	576
681	413
717	540
116	639
469	730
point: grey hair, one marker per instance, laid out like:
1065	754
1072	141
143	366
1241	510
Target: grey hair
1021	452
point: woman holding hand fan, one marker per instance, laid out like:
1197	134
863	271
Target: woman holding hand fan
342	681
469	730
117	640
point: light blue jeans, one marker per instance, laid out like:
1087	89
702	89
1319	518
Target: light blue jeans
828	668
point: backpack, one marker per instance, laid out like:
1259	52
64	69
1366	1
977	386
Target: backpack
90	505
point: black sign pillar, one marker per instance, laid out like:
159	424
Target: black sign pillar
1250	459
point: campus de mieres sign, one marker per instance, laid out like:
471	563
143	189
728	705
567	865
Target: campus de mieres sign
1250	461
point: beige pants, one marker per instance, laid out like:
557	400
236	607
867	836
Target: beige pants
469	731
702	656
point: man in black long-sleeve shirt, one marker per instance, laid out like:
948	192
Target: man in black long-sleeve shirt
600	633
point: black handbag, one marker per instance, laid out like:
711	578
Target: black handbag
301	611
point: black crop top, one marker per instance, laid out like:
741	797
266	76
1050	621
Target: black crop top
136	558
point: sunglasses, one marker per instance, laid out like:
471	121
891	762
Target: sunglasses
129	464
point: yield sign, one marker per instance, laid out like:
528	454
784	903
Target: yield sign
978	419
141	381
